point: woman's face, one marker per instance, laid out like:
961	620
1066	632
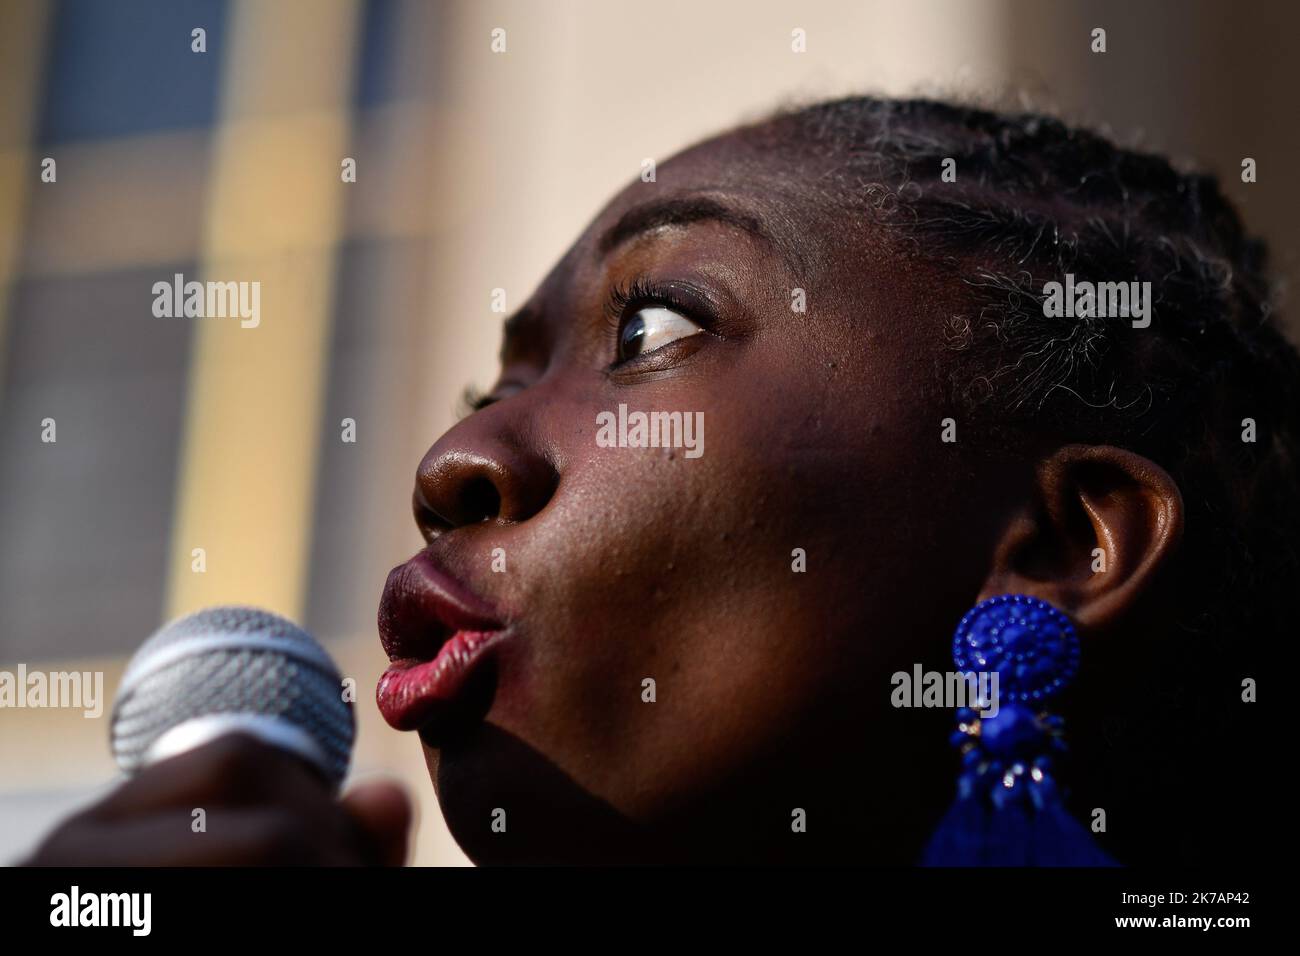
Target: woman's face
768	582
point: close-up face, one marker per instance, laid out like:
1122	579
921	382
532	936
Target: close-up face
697	639
721	434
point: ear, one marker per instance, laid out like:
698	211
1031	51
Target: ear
1087	497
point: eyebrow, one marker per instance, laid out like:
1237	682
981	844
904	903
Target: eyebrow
524	324
678	212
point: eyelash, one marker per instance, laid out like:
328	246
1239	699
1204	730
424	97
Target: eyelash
623	299
473	399
641	292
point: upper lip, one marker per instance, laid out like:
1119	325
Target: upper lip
423	606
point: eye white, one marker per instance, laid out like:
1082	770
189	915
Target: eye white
660	326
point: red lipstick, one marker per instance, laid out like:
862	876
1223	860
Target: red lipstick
437	634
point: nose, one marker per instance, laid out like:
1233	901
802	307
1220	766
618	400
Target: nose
477	472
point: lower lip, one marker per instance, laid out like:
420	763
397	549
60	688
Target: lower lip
411	693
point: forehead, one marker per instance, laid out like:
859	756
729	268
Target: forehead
788	200
767	193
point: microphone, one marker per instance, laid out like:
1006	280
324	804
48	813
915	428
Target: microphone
229	669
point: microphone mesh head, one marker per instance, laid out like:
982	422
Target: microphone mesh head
234	663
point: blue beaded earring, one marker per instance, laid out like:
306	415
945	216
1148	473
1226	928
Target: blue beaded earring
1009	810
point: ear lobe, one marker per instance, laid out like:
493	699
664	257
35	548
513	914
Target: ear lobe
1089	497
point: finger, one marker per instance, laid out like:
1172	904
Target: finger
231	838
233	770
383	812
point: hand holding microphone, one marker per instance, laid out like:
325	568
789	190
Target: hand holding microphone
232	723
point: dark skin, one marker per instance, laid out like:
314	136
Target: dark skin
822	432
628	563
261	807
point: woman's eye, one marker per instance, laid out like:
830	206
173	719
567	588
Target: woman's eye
650	328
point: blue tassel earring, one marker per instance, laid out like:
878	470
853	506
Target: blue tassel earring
1009	810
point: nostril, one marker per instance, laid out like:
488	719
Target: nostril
480	500
499	483
430	523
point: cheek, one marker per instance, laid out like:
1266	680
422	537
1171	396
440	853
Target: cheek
646	571
650	565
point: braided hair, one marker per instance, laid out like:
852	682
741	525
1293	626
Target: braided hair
1035	199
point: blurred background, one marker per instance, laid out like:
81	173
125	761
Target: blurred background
475	170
